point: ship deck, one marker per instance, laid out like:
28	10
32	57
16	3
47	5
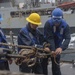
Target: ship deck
66	69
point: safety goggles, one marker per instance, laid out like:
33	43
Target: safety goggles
55	17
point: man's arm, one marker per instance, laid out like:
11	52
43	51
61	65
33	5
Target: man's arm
24	39
49	35
3	39
67	38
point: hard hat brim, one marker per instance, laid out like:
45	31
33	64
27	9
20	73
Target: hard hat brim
1	19
33	22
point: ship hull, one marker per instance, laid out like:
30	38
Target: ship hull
16	30
16	22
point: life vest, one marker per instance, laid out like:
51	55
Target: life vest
35	39
58	34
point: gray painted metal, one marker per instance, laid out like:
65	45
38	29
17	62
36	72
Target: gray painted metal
20	22
17	22
70	19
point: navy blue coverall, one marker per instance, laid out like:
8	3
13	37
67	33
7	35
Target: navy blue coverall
30	37
55	36
3	63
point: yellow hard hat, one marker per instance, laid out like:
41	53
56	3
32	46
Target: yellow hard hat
34	18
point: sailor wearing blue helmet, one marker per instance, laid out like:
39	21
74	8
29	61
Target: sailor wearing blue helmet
57	16
55	31
3	62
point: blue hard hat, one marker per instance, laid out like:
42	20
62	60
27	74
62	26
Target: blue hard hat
57	12
57	15
1	18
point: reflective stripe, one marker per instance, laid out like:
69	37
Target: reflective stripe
58	35
35	39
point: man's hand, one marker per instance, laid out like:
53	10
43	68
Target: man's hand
53	54
46	49
58	51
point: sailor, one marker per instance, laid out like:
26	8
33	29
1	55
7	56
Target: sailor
31	36
3	60
57	33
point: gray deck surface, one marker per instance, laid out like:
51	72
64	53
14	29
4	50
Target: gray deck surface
66	69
